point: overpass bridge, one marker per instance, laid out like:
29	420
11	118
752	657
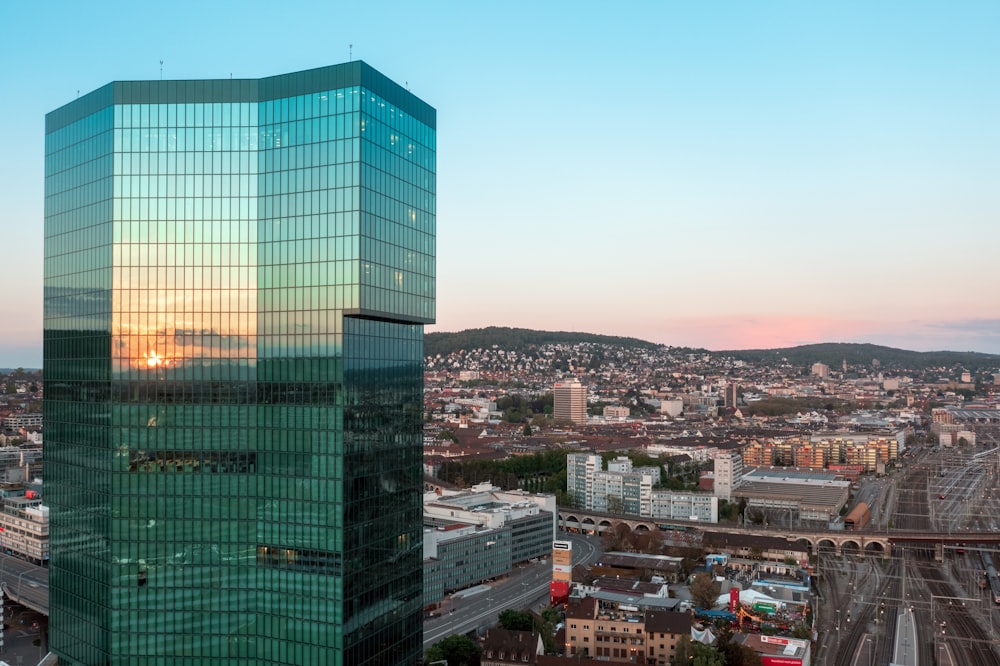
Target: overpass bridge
864	541
25	583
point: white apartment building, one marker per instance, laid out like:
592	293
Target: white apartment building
685	506
613	413
628	490
580	468
728	472
607	492
620	465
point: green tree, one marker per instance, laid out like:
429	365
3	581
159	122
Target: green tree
734	653
515	620
457	650
802	631
690	653
447	435
727	512
704	590
527	430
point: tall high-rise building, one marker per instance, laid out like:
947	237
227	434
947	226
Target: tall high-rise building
569	402
732	394
237	275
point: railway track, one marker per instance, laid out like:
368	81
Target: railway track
870	621
956	621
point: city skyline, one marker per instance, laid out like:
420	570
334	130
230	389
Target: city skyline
722	177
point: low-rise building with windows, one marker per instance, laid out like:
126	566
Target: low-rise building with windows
458	555
24	523
670	505
605	630
480	533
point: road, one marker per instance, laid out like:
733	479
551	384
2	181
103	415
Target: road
526	587
25	582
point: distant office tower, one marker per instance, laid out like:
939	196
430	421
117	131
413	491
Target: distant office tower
728	473
821	370
569	402
237	274
732	394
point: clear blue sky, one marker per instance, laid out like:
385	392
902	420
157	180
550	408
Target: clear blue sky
725	175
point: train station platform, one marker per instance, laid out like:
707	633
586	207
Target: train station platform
905	646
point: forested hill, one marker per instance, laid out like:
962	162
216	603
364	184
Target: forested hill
832	353
519	339
835	353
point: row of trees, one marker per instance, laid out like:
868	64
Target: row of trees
518	409
539	472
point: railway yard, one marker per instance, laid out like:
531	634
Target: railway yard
920	606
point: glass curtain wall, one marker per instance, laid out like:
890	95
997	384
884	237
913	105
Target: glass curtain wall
237	278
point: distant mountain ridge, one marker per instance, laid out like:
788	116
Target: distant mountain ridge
830	353
835	353
519	339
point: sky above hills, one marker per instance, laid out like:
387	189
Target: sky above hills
723	175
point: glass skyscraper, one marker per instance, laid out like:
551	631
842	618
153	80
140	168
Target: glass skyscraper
237	275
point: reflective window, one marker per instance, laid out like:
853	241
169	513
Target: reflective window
235	294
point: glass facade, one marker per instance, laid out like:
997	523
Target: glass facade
466	560
237	274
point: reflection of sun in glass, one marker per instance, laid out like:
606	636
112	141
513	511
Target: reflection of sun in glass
153	361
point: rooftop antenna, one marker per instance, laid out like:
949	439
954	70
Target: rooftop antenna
350	52
161	70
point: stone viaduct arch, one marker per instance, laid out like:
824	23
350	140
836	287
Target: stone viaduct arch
857	543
